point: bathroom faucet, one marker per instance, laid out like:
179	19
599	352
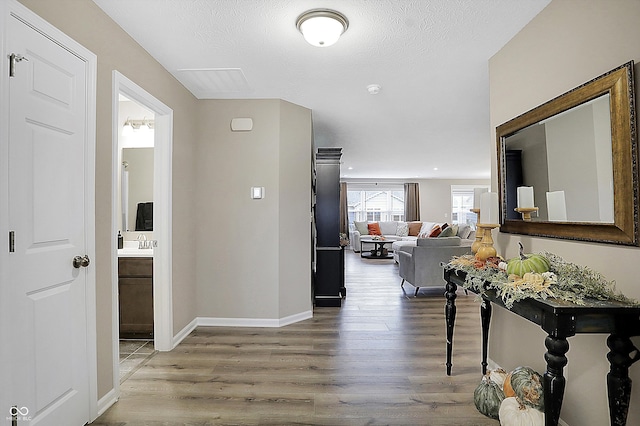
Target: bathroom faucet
142	241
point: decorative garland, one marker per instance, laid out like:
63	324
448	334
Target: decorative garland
564	281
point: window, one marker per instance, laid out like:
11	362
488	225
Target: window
462	203
378	205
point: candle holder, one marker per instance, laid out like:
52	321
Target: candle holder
526	212
486	249
476	244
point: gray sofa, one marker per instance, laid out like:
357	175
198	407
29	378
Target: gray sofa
466	234
420	265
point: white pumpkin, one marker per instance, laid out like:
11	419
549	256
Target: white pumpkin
513	413
497	376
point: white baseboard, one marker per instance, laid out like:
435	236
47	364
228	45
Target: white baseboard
238	322
253	322
107	401
184	332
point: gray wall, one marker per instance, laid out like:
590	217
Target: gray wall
435	197
568	43
253	256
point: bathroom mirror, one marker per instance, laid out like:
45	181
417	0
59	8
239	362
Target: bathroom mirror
578	152
137	189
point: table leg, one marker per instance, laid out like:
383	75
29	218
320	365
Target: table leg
618	381
450	315
554	381
485	317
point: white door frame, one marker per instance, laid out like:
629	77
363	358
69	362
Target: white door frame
13	8
162	229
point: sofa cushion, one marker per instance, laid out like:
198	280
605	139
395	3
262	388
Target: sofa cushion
435	232
388	228
447	232
402	229
426	229
464	230
361	227
374	228
414	228
435	242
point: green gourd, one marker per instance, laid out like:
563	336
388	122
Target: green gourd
527	386
488	396
527	263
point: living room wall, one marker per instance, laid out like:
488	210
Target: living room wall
567	44
435	197
435	194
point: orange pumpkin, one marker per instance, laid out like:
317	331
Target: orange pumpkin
507	388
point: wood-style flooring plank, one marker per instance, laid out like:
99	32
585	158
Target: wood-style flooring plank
377	360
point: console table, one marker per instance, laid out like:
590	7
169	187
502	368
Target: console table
560	320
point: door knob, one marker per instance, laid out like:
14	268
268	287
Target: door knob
79	261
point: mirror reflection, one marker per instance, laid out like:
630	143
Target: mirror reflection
137	188
136	153
566	164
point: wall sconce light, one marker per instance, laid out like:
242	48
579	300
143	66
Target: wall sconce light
131	125
322	27
257	192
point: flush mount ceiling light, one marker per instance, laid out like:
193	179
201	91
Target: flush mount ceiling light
322	27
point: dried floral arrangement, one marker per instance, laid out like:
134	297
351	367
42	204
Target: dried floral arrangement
564	281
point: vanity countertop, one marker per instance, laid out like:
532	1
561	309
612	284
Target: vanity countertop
134	252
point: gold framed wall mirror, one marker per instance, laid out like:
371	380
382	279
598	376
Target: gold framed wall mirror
575	158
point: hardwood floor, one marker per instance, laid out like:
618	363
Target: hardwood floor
377	360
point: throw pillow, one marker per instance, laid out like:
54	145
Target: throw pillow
403	229
435	231
464	231
361	227
414	228
374	228
388	227
455	227
426	229
447	232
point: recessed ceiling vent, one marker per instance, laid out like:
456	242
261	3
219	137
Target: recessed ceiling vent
206	83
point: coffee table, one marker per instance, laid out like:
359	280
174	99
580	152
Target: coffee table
378	252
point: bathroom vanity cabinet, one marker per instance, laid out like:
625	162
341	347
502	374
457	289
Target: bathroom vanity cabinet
135	295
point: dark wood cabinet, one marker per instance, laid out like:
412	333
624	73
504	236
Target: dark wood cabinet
329	272
135	296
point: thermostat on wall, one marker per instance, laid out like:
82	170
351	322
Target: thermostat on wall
241	124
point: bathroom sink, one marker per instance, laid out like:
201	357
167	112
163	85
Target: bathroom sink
131	250
135	252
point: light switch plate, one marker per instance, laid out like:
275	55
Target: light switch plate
257	192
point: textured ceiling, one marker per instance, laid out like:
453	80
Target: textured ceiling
430	57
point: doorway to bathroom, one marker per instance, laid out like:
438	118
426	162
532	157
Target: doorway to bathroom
141	227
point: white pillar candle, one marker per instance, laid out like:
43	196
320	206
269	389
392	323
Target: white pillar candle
477	193
489	207
525	197
556	206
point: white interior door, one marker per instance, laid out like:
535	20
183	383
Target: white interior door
44	298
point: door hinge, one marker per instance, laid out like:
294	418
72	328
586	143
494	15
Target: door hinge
13	58
12	241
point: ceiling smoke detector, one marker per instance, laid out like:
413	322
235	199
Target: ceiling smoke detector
373	89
